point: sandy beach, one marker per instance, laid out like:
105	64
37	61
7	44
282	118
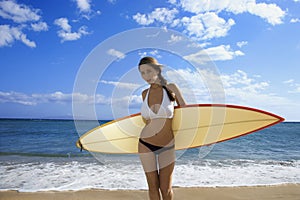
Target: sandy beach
286	192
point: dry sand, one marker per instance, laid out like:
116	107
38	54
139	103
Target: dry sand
282	192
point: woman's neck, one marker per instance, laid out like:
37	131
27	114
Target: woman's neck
155	86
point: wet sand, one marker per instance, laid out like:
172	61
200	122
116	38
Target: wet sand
285	191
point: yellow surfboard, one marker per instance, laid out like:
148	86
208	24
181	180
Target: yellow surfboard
193	125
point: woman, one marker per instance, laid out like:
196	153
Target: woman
156	144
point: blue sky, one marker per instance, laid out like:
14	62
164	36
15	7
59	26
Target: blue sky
254	45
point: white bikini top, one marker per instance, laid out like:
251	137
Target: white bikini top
166	109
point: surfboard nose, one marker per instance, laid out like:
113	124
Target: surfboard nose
79	145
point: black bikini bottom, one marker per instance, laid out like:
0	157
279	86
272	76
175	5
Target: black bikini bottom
156	149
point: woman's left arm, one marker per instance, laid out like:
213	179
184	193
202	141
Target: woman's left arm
178	96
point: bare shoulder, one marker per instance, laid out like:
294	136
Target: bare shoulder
173	87
179	98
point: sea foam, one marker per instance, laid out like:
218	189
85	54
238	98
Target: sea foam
129	175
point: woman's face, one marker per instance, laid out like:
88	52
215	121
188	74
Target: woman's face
148	73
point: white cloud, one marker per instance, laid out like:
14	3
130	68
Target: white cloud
153	53
162	15
290	81
199	45
244	90
272	13
241	44
172	1
63	23
25	17
142	19
191	85
84	5
203	25
56	97
204	22
85	9
130	86
16	97
19	13
207	26
132	101
40	26
241	78
116	53
112	1
66	33
222	52
96	99
124	96
239	89
9	34
175	38
295	20
202	6
294	86
219	53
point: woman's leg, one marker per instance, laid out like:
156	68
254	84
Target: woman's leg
166	167
153	185
149	164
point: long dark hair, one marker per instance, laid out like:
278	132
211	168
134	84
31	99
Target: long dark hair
158	67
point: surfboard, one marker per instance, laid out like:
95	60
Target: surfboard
193	126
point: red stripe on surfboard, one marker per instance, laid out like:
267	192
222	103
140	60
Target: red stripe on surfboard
232	106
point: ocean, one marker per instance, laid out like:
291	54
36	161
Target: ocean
40	155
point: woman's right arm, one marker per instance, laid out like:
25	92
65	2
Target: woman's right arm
178	96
